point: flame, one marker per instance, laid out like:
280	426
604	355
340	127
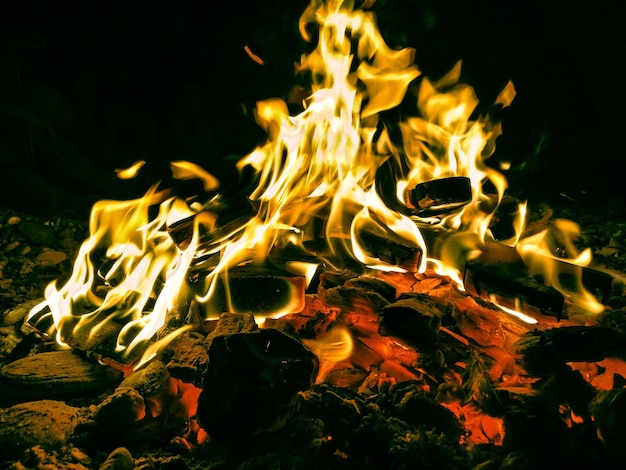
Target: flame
334	347
553	255
323	165
131	171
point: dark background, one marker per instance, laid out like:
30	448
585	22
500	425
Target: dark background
90	86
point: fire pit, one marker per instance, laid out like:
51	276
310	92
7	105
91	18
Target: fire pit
370	295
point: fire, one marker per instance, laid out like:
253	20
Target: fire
337	165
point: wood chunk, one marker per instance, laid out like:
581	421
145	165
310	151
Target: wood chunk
500	274
374	284
482	324
252	383
354	299
598	283
440	196
608	409
45	423
415	318
390	249
258	290
326	279
546	350
55	374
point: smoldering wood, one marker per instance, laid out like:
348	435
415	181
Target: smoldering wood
371	283
326	278
543	351
439	197
252	383
354	299
55	374
500	274
414	318
390	249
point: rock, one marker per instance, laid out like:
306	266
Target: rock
37	234
54	374
50	258
47	423
119	459
121	409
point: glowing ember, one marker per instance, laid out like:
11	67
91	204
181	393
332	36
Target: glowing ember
319	168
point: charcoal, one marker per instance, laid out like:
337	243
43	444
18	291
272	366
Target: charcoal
252	383
546	350
118	459
375	284
186	357
354	299
121	409
414	318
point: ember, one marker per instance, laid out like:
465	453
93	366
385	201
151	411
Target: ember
373	298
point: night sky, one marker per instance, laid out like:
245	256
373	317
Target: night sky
90	86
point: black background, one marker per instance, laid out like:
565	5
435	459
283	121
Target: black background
90	86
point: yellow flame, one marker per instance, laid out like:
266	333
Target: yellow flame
318	165
131	171
335	346
553	255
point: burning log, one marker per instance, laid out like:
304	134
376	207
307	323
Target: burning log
390	249
355	293
440	196
258	290
500	275
252	382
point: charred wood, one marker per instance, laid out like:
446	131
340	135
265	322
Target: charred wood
258	290
500	275
414	318
252	383
439	197
390	249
